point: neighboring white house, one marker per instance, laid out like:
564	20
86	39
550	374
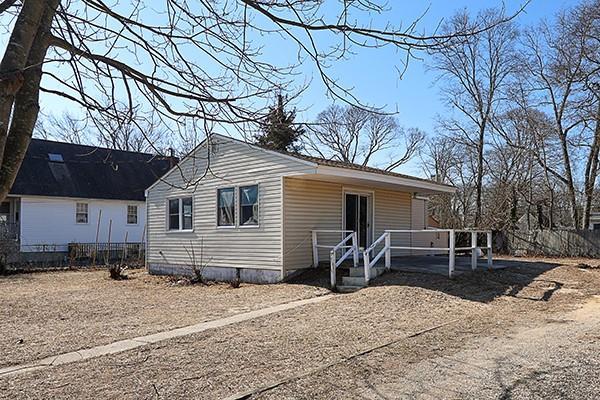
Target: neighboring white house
66	193
233	208
595	221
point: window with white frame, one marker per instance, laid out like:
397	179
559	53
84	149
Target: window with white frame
226	206
81	213
248	205
186	214
180	214
132	215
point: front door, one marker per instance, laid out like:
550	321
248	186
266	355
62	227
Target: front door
357	217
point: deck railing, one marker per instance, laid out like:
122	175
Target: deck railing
386	238
334	261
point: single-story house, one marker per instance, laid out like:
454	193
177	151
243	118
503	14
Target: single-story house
234	209
69	193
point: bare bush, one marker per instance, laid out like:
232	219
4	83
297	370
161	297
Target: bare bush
197	263
116	271
9	249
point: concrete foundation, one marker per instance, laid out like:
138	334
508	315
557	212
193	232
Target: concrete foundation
219	274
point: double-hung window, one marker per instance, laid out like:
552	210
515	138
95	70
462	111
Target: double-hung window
132	215
248	205
180	214
81	213
226	207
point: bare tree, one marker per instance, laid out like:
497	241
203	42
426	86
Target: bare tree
65	128
129	130
184	59
558	75
586	30
442	160
355	135
476	70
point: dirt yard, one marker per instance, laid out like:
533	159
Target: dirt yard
48	313
526	332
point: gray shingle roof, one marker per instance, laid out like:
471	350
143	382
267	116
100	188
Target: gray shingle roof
86	171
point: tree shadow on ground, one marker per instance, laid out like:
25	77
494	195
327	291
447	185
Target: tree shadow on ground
518	278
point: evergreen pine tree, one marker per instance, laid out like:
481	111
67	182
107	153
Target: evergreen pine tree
278	131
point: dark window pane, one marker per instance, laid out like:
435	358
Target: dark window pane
174	221
351	211
174	214
187	212
174	206
249	205
225	207
362	234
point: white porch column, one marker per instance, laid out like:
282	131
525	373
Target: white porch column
315	249
451	253
489	249
473	250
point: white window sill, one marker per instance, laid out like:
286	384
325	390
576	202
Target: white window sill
249	226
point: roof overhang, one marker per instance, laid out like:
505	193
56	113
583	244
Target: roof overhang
371	179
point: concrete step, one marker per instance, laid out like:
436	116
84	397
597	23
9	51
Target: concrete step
354	281
360	271
348	289
357	271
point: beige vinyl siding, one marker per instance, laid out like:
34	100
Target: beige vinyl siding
232	163
419	222
309	205
315	205
428	239
393	211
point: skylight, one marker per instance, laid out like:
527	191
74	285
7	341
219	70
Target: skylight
55	157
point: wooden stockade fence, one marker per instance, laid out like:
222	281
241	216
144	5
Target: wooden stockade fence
552	243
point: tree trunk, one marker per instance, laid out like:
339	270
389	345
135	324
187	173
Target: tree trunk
569	178
479	178
591	173
14	61
24	103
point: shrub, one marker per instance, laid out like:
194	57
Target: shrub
116	271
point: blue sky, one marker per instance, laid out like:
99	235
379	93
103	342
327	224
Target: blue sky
415	96
372	74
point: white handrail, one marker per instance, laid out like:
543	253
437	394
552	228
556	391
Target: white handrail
333	260
385	250
316	246
334	263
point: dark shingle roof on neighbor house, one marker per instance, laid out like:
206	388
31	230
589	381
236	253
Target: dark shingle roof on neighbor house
59	169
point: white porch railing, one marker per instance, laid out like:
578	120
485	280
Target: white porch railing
385	250
333	260
386	237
